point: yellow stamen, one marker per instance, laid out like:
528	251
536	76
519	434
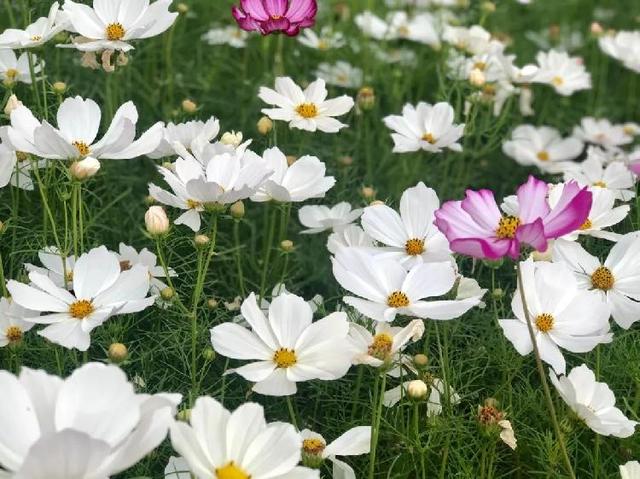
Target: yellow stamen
285	358
81	309
586	225
600	184
398	299
480	66
557	81
543	156
231	471
12	74
414	246
544	322
36	38
313	446
507	227
602	278
115	32
307	110
381	346
13	334
193	204
82	148
429	138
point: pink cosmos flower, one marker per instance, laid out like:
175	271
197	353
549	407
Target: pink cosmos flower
268	16
476	227
635	167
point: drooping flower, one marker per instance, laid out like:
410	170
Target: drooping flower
350	235
476	227
129	257
100	290
385	346
542	147
57	269
340	74
304	179
37	33
354	442
305	110
562	315
425	127
614	281
386	289
398	25
492	419
319	218
474	40
12	326
75	138
192	135
624	46
593	402
273	16
15	167
564	73
14	69
410	236
113	25
91	425
285	346
327	39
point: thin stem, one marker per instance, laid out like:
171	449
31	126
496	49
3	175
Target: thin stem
292	412
165	268
267	256
236	240
379	388
543	378
5	293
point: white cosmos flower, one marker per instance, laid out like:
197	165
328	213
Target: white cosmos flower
600	131
58	271
202	178
319	218
425	127
190	135
286	346
15	167
14	69
326	40
599	171
306	110
91	425
603	213
474	40
386	289
75	138
12	326
129	257
630	470
219	444
564	73
354	442
350	235
420	28
304	179
372	25
100	290
614	282
112	25
409	237
624	46
37	33
340	74
593	402
230	35
542	147
563	316
384	347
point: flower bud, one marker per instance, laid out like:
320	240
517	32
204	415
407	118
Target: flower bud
118	352
291	159
420	360
212	303
189	106
265	125
368	193
231	138
156	221
182	8
417	390
201	240
167	293
149	200
237	210
12	104
366	98
59	87
488	7
477	77
497	293
184	415
346	160
209	354
376	203
286	246
83	169
596	29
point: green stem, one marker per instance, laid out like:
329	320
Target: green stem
237	247
292	412
543	379
267	255
3	283
379	388
165	268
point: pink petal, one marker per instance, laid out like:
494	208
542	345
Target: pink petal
482	207
275	8
571	211
532	200
274	25
635	167
454	222
255	9
533	234
489	248
302	12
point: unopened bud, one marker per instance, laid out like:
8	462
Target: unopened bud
286	246
488	7
366	98
596	29
368	193
237	210
167	293
265	125
345	160
118	352
376	203
182	8
201	240
83	169
417	390
231	138
59	87
12	104
149	200
209	354
477	77
420	360
189	106
497	293
212	303
184	415
156	221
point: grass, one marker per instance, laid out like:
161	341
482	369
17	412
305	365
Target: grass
471	352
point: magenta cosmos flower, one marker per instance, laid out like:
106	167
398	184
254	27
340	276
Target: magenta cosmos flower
476	227
268	16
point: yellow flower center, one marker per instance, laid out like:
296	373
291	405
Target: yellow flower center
600	184
323	44
285	358
313	446
381	346
586	225
12	74
629	130
429	138
22	156
13	334
82	148
543	156
557	81
544	322
125	265
507	227
404	31
480	66
231	471
307	110
398	299
69	276
36	38
81	309
193	204
602	278
414	246
115	32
